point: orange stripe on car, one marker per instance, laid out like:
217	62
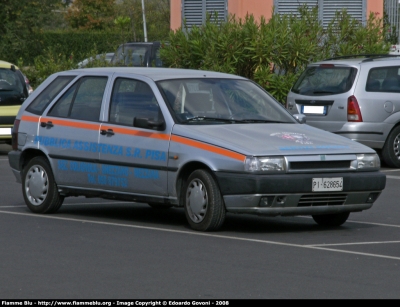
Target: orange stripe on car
130	131
28	118
208	147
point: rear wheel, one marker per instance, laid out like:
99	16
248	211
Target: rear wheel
391	150
336	219
39	187
204	205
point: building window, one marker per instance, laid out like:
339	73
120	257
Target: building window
194	12
326	8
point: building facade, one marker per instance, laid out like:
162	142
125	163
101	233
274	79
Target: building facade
194	11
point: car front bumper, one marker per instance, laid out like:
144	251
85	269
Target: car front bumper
291	194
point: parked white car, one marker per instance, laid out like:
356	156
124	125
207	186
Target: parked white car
208	142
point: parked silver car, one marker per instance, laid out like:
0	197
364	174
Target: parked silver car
208	142
356	97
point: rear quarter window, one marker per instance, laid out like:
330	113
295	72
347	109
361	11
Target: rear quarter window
40	103
384	79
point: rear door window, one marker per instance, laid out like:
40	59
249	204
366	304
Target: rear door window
325	79
82	101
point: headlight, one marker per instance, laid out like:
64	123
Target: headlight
366	162
265	164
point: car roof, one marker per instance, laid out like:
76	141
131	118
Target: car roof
357	60
157	74
4	64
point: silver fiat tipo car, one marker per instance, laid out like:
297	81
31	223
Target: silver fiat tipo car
355	96
208	142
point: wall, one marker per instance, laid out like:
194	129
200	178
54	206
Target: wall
256	7
375	6
176	14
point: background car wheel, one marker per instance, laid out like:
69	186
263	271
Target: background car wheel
391	150
39	188
204	206
331	219
159	206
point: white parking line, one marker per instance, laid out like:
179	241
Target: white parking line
79	204
377	224
367	223
201	234
392	177
354	243
126	202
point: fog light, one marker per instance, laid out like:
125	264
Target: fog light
372	197
280	200
267	201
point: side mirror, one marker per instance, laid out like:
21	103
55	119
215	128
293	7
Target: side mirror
148	123
301	118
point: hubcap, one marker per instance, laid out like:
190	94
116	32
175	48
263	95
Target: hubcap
396	148
196	200
36	185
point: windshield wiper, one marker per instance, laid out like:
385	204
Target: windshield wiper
206	118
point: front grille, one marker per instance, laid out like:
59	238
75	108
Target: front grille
313	200
315	165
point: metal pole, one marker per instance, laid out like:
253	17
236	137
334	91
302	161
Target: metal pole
144	22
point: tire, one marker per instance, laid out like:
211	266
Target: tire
39	187
333	220
391	150
203	202
158	206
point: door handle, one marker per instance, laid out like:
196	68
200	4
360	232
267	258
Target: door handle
49	124
107	132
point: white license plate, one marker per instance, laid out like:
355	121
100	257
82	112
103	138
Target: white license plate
327	184
5	131
314	110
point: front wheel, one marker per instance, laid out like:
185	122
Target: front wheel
336	219
39	187
204	205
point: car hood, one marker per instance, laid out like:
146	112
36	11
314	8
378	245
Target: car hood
271	139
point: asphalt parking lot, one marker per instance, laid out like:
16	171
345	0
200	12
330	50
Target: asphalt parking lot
94	248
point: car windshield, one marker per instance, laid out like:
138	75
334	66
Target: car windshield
325	79
221	101
133	55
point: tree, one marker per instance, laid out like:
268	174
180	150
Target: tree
157	18
19	19
91	14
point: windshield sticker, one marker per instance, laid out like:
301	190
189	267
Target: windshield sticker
292	136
